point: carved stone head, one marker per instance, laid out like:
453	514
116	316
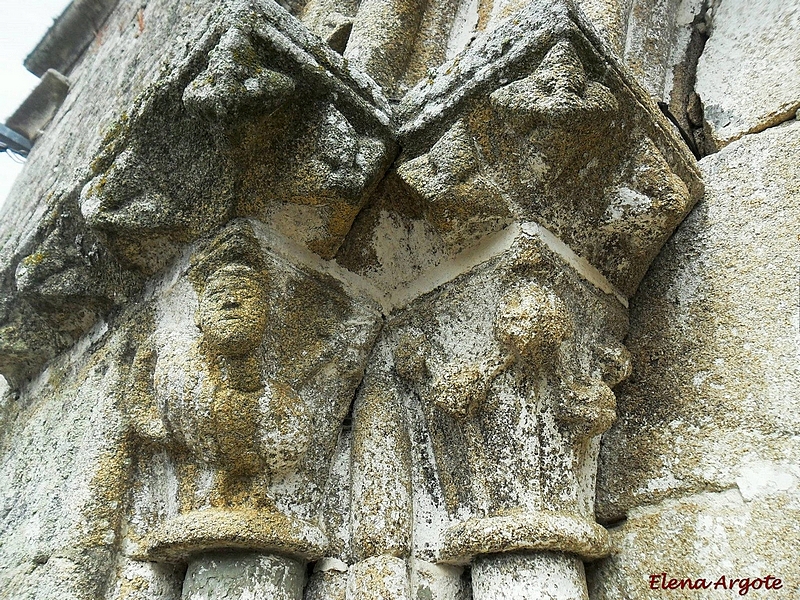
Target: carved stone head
232	314
231	279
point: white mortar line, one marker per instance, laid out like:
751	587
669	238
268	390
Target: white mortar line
584	268
489	247
294	252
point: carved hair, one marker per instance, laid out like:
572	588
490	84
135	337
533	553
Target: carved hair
236	244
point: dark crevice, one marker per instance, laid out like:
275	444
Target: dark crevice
684	104
347	421
613	522
687	137
309	572
339	38
791	114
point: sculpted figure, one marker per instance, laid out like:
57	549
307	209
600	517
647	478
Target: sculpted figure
249	428
511	369
238	397
220	409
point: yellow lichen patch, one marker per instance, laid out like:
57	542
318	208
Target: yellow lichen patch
115	136
132	587
108	490
34	259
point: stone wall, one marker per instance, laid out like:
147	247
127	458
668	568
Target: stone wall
703	460
331	301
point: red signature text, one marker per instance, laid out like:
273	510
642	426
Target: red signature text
660	581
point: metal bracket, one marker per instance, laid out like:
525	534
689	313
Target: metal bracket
13	141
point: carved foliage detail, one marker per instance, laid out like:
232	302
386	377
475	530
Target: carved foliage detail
235	82
557	91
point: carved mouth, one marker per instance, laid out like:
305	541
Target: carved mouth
231	317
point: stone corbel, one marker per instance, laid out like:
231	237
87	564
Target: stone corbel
260	119
558	92
264	121
143	207
70	277
27	341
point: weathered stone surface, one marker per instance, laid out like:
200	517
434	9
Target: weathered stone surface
438	582
664	40
66	41
328	582
269	122
136	580
332	20
649	42
275	127
95	101
400	43
610	18
381	473
745	534
227	576
419	418
66	279
496	381
714	338
379	577
66	273
115	447
57	532
748	76
536	128
26	340
379	42
547	575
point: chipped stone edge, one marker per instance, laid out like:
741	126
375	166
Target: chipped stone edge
545	530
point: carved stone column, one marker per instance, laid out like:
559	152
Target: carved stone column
223	576
543	575
234	441
543	181
510	367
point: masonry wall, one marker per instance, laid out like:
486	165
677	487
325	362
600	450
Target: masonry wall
703	459
445	210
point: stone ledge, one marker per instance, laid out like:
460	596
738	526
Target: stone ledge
218	529
38	109
544	530
67	39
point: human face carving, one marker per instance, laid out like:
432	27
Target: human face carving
233	312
